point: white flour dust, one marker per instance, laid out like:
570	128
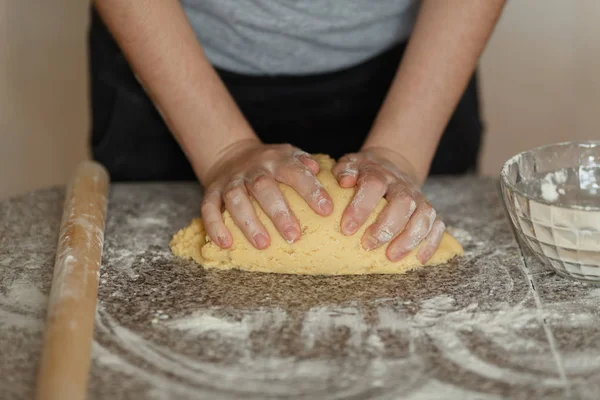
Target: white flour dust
131	247
438	318
203	322
551	185
65	264
589	178
321	321
25	295
23	305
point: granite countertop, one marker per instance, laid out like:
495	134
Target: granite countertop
494	324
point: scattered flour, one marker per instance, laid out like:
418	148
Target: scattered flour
440	319
23	306
24	294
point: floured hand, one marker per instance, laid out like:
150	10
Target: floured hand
252	169
407	220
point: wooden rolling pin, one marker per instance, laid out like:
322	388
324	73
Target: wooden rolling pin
65	363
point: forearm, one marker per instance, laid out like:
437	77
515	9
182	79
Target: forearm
448	38
164	53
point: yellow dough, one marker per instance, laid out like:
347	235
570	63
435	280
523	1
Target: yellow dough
322	250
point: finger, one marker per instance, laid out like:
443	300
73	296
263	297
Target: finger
266	192
307	185
372	186
306	159
213	219
391	221
346	171
416	230
432	241
242	212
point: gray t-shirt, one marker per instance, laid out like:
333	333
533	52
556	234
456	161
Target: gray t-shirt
264	37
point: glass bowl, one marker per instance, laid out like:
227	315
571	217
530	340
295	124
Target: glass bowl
552	195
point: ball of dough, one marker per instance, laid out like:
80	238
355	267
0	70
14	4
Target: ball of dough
322	250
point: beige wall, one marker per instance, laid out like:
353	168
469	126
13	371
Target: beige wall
539	78
43	92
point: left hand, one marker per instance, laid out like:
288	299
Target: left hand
407	220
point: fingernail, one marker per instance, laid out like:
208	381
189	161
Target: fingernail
313	162
325	206
260	240
370	243
423	257
222	241
350	227
346	180
291	234
397	254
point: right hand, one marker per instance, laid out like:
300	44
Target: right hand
250	168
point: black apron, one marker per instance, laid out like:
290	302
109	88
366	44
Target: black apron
328	113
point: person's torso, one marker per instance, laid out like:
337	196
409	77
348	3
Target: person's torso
296	37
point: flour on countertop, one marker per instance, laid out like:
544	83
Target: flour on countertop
442	333
23	293
438	318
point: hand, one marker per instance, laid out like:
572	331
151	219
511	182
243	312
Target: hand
252	168
406	221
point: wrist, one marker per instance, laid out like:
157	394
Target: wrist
207	169
401	161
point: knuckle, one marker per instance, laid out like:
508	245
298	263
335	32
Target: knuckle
372	181
425	221
295	174
351	158
278	205
426	209
248	225
397	192
261	183
213	188
405	197
271	151
255	173
439	225
286	168
205	206
280	217
279	175
212	226
211	199
233	183
432	214
369	169
288	147
360	209
299	170
407	201
232	193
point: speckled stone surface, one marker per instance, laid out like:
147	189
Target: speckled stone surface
493	324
